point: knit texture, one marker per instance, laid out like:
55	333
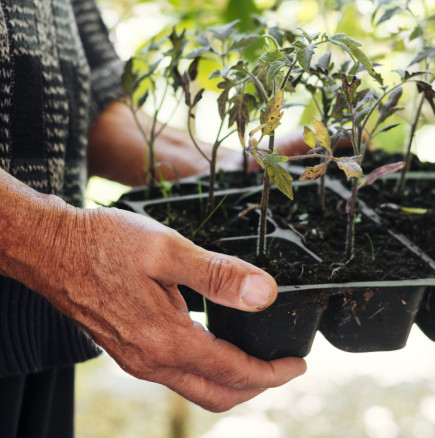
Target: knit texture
58	71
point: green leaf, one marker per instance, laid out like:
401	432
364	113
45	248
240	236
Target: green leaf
314	172
273	45
322	135
352	47
405	74
416	33
278	175
223	32
304	55
427	52
361	114
324	61
309	137
215	74
390	106
272	56
273	70
390	12
350	166
128	78
385	129
242	41
309	37
199	52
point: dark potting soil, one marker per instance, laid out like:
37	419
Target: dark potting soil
412	212
378	255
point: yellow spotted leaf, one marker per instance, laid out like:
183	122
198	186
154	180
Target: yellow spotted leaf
322	135
314	172
272	115
350	166
309	137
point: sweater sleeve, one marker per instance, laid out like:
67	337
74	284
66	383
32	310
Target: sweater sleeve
106	67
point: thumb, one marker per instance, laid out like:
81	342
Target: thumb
222	279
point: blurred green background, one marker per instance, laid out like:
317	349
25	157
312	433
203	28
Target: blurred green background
374	395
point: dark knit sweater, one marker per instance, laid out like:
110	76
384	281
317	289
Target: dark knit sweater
57	72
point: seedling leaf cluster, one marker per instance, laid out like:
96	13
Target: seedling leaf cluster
256	94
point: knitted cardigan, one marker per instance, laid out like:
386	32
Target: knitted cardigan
57	72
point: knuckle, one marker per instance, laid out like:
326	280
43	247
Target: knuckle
221	276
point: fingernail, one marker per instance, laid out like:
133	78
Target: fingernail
255	290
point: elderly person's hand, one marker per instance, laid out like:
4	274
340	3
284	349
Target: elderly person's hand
117	272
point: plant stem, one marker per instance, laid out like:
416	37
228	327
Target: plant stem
212	161
192	137
401	182
261	244
287	76
259	85
350	235
148	167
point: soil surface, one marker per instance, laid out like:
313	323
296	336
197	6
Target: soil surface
321	231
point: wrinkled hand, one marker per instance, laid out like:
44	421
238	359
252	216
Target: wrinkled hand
120	273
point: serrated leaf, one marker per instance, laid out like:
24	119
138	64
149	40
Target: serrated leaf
322	135
273	45
350	166
309	37
278	175
272	56
405	74
272	114
427	52
242	41
309	137
223	32
304	55
199	52
380	172
352	47
273	70
314	172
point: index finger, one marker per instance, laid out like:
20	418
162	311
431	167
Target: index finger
201	353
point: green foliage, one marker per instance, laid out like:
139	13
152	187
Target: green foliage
278	175
347	95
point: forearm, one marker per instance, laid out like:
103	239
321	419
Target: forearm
31	233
